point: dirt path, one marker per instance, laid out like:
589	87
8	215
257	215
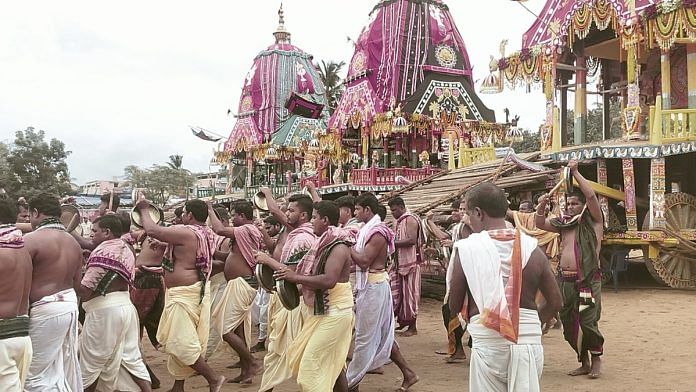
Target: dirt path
650	346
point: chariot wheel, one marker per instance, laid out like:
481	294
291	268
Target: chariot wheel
676	266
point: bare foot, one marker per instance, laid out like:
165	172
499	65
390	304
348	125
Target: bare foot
260	346
217	385
581	371
379	370
409	332
408	382
247	375
236	365
596	368
457	357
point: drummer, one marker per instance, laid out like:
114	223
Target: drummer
231	316
283	325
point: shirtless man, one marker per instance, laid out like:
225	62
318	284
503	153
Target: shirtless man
374	317
22	211
581	232
147	294
57	261
185	323
233	313
15	284
496	273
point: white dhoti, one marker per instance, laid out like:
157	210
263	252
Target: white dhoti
109	344
53	333
374	328
498	365
232	310
259	312
15	353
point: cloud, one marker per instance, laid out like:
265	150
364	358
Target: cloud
119	83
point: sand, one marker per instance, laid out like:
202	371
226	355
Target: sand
650	346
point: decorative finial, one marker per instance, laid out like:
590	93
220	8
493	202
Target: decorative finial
282	36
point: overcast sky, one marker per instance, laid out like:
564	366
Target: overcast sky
119	82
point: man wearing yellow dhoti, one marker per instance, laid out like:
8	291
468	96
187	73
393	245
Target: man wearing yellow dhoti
185	323
232	314
284	325
317	357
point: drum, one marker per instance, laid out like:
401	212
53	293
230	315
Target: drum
156	214
70	216
260	201
264	274
289	294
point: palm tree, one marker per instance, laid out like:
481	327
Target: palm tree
176	162
329	74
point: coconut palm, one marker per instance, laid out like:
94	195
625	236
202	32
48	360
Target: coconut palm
176	162
329	74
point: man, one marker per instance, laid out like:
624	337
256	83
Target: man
109	202
285	325
217	278
525	220
346	206
177	215
494	279
185	323
232	314
22	211
57	262
86	227
374	314
405	274
147	294
460	229
581	231
317	356
110	356
15	285
274	236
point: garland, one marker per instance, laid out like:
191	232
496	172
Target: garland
665	27
51	223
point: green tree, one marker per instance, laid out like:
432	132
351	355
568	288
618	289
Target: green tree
160	181
176	162
329	74
595	124
35	165
4	167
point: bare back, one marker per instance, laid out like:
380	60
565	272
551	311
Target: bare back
378	263
150	254
15	282
184	257
57	262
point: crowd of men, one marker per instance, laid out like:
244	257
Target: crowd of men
72	309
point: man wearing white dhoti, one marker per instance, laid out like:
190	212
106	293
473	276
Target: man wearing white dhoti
57	262
110	356
493	282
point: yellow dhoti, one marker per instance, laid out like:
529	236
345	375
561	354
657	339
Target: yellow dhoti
184	327
15	353
233	309
283	328
318	354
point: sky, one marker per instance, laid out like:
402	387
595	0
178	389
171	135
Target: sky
120	82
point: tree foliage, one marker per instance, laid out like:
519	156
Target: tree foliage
329	74
34	165
595	124
160	182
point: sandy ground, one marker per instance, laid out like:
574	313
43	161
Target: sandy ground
650	346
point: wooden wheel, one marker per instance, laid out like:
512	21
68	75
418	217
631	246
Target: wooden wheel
673	266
